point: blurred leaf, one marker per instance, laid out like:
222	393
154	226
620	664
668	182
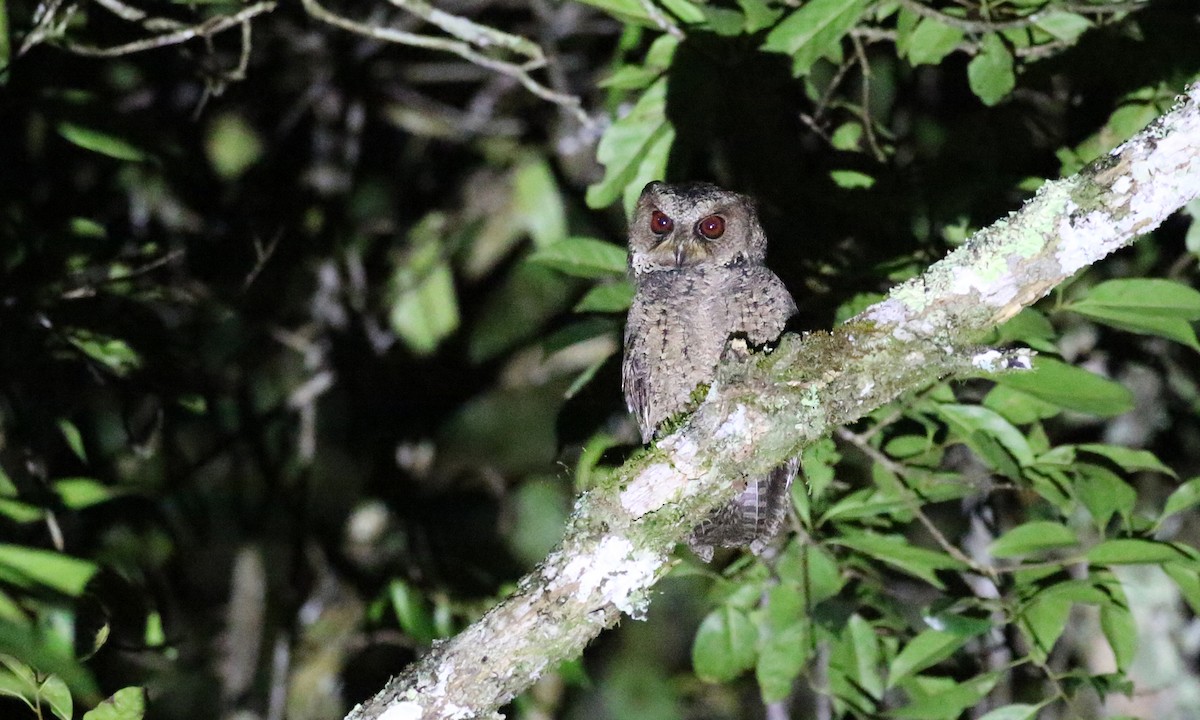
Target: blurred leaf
1043	621
607	298
518	309
113	353
787	643
809	32
950	703
1070	388
725	645
423	305
854	662
1064	26
1184	497
931	41
624	10
125	704
100	142
509	430
975	425
990	73
412	612
583	257
1020	711
1133	551
634	150
895	551
1033	537
759	15
1104	494
538	203
539	511
30	567
924	651
54	692
1120	630
1128	459
1150	306
232	145
79	493
851	179
20	512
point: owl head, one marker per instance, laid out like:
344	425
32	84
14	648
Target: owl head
690	225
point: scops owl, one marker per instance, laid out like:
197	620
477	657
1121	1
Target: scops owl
696	253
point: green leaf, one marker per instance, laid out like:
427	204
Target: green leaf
583	257
1128	459
55	693
232	145
1187	578
895	551
79	493
975	425
854	661
412	612
424	310
529	297
1033	537
630	11
1070	388
1104	494
724	645
125	704
1120	630
100	142
951	702
538	204
31	567
1064	26
607	298
811	31
759	15
1149	306
1019	711
1017	407
851	179
1133	551
1042	621
787	641
73	437
634	150
1184	497
925	650
113	353
990	73
931	41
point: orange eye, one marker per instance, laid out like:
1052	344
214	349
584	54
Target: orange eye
660	224
712	227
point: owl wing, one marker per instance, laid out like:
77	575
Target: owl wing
635	368
759	304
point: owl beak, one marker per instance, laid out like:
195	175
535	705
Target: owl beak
680	253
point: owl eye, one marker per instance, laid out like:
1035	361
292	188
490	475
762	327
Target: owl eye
660	224
712	227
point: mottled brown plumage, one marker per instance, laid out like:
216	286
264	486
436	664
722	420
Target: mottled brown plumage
696	253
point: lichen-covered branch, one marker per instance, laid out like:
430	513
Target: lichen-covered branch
760	412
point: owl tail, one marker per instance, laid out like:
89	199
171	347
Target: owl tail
751	519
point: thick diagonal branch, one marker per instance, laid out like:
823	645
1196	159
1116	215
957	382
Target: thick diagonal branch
619	539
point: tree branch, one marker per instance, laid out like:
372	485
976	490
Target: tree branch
758	413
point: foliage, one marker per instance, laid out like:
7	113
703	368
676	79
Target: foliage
311	327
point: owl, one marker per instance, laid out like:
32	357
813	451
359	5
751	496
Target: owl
696	253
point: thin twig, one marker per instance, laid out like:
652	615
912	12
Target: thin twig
205	29
867	122
661	20
915	507
462	49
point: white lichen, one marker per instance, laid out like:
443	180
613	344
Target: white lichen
736	426
651	489
407	710
613	573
